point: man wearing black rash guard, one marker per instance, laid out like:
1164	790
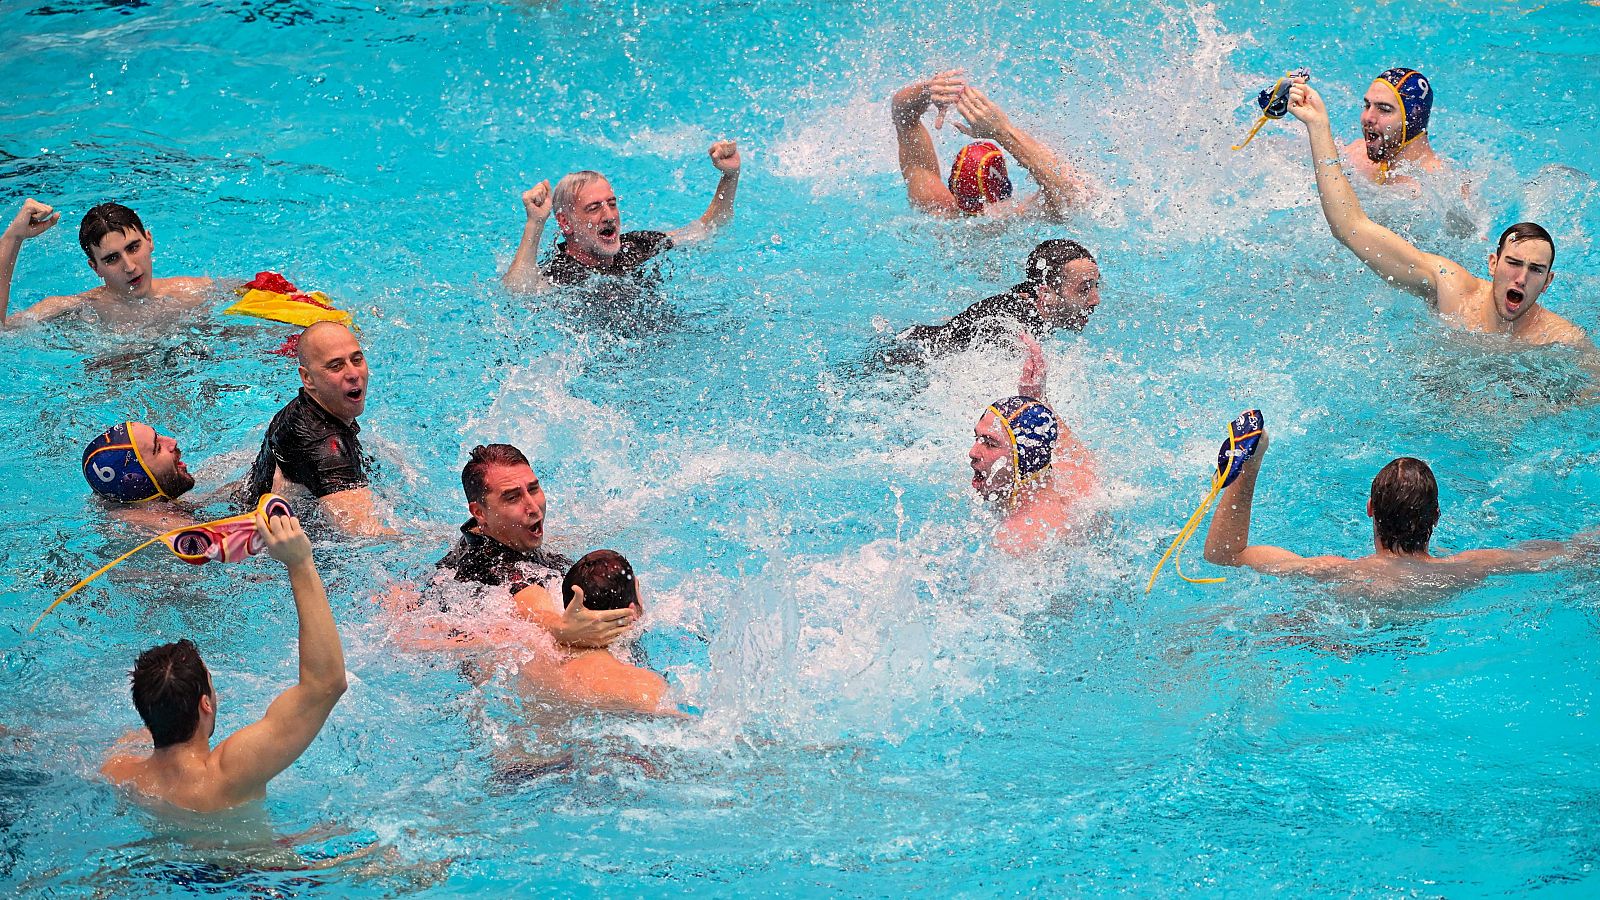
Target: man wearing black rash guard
1061	290
312	442
502	546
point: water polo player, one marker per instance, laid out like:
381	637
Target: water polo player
1060	289
1394	126
978	183
586	211
119	251
1404	507
1027	463
1520	268
139	472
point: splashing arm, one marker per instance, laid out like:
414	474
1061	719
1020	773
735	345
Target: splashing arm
1383	251
1060	187
919	162
524	276
32	220
251	756
725	157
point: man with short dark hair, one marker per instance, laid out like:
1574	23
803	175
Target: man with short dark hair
1404	508
978	184
586	211
1520	268
173	693
119	251
502	542
140	474
1060	289
313	441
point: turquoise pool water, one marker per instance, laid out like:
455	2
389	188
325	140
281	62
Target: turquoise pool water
890	705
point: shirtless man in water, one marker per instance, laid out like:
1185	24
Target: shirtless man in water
1027	464
1394	128
1404	508
119	249
175	697
1520	268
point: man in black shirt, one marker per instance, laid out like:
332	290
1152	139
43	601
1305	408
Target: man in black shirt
586	211
502	546
1061	290
313	441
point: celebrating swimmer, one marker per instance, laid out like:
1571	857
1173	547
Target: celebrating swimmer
978	184
502	546
1404	507
119	251
1394	127
1060	289
312	442
1520	268
140	474
600	581
590	220
173	693
1027	463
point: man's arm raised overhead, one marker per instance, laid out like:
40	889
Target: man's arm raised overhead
919	162
524	276
725	157
32	220
1228	537
251	756
1383	251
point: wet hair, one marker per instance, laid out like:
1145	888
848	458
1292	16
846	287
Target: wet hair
565	194
168	682
103	220
606	578
482	457
1527	231
1048	259
1405	505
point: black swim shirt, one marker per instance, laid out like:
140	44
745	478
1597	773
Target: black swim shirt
313	447
638	248
484	560
990	320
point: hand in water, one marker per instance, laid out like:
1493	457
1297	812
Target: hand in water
725	156
286	540
1305	104
585	627
536	200
32	220
985	120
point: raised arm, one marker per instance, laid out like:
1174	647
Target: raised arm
524	275
725	157
32	220
1382	250
919	162
251	756
1228	537
1060	188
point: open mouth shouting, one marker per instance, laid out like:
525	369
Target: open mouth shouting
1514	301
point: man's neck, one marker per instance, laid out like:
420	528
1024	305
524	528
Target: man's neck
178	757
326	409
1381	552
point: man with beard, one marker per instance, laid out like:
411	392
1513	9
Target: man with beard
173	693
1520	268
1060	289
140	473
586	211
1394	127
312	442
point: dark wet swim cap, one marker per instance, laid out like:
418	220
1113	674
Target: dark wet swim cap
1031	428
113	468
1415	94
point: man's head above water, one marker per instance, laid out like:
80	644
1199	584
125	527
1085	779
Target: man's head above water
118	247
1013	444
1404	506
1520	268
585	209
1066	283
173	693
1394	112
504	496
333	369
132	462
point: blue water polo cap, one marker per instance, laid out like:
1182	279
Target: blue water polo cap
1415	94
1244	433
113	468
1031	428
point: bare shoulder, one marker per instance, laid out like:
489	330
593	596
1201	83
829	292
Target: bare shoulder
1554	328
188	286
121	768
1461	293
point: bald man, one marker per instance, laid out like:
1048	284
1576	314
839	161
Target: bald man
312	442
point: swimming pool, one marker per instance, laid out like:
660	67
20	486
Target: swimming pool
890	705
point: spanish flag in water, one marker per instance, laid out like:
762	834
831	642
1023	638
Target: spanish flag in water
270	296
